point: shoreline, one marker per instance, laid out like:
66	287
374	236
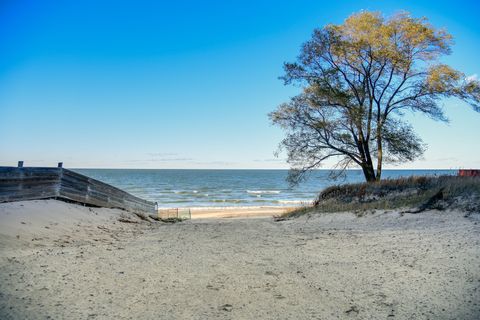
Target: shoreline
232	211
231	207
239	212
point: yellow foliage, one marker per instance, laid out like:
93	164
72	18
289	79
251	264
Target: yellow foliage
442	78
400	39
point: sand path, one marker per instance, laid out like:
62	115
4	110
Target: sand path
336	266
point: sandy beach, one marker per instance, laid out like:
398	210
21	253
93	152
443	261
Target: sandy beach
238	212
251	160
64	261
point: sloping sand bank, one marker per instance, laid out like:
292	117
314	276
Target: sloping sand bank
378	266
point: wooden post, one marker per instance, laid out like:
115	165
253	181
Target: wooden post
60	164
20	164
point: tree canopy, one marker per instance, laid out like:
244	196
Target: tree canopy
358	79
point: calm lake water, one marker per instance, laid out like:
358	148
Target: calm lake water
221	188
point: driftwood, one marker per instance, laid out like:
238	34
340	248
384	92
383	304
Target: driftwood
127	220
170	220
429	204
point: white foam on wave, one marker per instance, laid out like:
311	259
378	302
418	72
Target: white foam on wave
294	201
263	191
280	204
185	191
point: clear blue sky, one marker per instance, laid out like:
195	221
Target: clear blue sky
185	84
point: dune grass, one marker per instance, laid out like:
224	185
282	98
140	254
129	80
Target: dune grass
458	192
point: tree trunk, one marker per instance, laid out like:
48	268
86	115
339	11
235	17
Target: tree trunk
367	163
368	172
380	154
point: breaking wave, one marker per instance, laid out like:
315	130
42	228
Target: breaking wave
263	191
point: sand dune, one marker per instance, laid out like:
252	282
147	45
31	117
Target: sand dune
87	264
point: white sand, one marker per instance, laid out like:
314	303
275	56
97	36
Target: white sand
40	223
238	212
379	266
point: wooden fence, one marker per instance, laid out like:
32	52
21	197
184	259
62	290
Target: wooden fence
179	213
29	183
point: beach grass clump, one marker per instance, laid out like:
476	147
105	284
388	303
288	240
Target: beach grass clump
409	192
293	212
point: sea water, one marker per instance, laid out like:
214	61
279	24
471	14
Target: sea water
221	188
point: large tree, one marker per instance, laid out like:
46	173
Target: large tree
358	80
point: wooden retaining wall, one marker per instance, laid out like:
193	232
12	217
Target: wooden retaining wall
30	183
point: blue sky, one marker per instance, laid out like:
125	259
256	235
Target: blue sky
185	84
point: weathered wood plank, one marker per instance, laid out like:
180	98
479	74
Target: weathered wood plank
29	194
26	183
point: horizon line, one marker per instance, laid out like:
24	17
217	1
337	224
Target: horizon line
265	169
